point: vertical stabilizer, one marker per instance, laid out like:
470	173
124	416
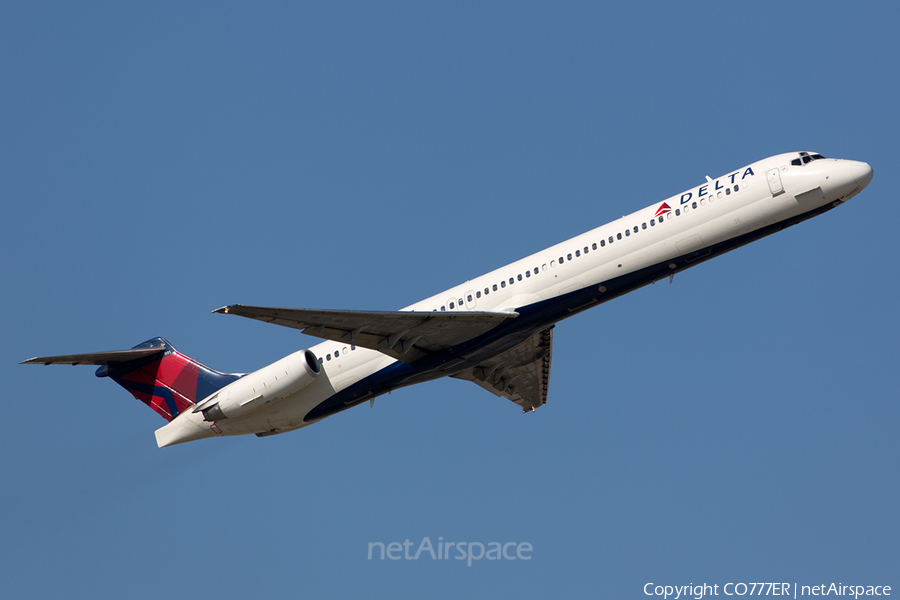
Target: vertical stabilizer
167	381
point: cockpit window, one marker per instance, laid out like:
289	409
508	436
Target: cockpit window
805	157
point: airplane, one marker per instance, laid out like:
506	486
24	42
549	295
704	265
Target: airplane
495	330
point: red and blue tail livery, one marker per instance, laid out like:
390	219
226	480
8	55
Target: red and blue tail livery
169	382
155	373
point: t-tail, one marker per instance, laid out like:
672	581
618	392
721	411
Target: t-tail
154	372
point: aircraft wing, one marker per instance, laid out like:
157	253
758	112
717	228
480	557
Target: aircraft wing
521	374
95	358
404	335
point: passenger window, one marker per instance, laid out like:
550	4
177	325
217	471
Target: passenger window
527	273
727	191
677	212
487	291
610	239
511	281
577	253
352	348
536	269
568	256
594	245
503	284
736	187
328	356
451	306
345	350
652	222
478	294
627	232
469	298
552	264
618	236
602	243
494	287
635	229
444	308
562	260
519	277
693	205
585	249
643	226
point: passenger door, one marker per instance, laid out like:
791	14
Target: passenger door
774	179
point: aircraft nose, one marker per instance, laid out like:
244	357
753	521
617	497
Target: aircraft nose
862	172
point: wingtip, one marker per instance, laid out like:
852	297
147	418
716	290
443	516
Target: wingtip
222	311
37	360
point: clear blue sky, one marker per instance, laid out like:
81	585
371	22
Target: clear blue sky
159	161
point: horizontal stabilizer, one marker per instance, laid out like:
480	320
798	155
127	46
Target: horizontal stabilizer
404	335
95	358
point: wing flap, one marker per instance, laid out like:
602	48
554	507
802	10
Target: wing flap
404	335
521	374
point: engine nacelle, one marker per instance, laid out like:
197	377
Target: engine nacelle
260	388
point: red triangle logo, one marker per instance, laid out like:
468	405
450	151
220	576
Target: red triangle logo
663	209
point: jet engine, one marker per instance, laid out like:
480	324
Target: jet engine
260	388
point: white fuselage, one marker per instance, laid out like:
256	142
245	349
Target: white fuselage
693	226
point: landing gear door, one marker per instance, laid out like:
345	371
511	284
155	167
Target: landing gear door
774	179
